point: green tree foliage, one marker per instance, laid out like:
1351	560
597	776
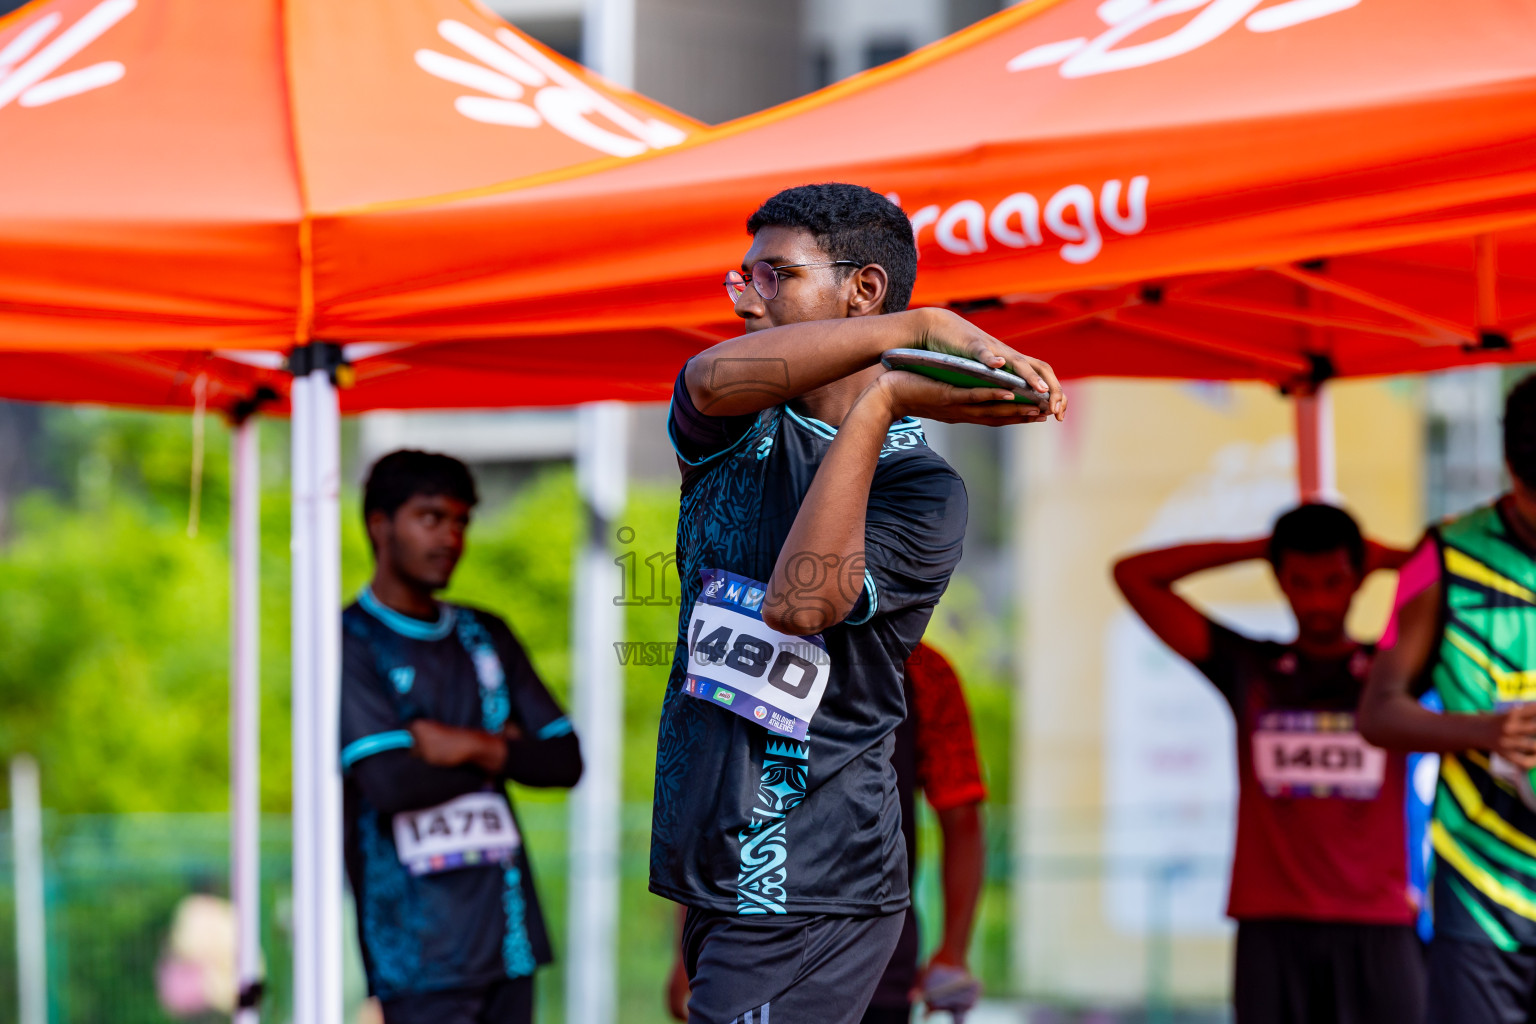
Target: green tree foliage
116	622
114	666
115	635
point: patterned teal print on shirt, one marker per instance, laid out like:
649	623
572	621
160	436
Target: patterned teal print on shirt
764	873
516	953
392	913
494	704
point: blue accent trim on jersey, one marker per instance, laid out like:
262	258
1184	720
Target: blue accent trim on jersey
874	601
828	431
672	440
516	952
813	424
559	727
406	626
379	742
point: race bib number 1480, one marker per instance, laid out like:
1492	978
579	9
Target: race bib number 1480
738	663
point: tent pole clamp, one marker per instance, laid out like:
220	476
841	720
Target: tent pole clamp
320	355
251	405
1322	370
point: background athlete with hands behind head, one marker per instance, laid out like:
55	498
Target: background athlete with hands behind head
816	532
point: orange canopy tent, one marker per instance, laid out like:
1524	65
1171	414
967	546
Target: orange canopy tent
1270	189
173	169
170	171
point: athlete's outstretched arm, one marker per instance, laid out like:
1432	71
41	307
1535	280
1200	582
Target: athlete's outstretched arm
769	367
1391	717
819	575
1147	581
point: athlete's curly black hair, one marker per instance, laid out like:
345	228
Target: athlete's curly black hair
1520	431
850	222
400	476
1313	529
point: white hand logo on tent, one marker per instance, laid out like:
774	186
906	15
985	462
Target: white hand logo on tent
1082	57
24	74
509	66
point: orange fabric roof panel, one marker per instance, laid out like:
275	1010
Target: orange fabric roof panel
1248	188
1054	147
163	159
402	100
146	183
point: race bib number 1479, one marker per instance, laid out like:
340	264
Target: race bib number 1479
738	663
467	831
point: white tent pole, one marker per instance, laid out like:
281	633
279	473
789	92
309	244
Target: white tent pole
1315	466
596	807
245	707
31	907
608	40
306	954
327	692
317	854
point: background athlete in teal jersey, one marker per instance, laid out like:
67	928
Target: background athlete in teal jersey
439	708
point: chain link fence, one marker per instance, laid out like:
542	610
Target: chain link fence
113	885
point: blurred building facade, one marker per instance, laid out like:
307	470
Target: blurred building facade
716	61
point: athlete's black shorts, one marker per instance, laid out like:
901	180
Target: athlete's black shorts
1479	983
1324	972
784	968
506	1002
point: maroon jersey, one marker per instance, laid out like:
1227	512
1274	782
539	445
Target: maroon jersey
1321	829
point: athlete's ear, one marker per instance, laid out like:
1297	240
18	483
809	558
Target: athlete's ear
866	290
378	523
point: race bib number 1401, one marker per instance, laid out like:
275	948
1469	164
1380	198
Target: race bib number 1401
1316	754
738	663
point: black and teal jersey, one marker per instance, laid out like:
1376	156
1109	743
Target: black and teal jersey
747	821
459	928
1483	831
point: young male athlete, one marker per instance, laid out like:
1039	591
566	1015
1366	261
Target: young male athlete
1466	626
816	532
1319	875
439	708
935	751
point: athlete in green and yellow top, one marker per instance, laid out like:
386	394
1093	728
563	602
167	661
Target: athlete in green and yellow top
1465	624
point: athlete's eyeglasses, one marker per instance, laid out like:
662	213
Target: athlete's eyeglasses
765	277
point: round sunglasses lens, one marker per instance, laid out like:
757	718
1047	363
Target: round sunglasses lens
766	280
735	284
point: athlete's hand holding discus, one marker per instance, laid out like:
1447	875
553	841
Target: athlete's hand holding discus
951	334
911	394
776	363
